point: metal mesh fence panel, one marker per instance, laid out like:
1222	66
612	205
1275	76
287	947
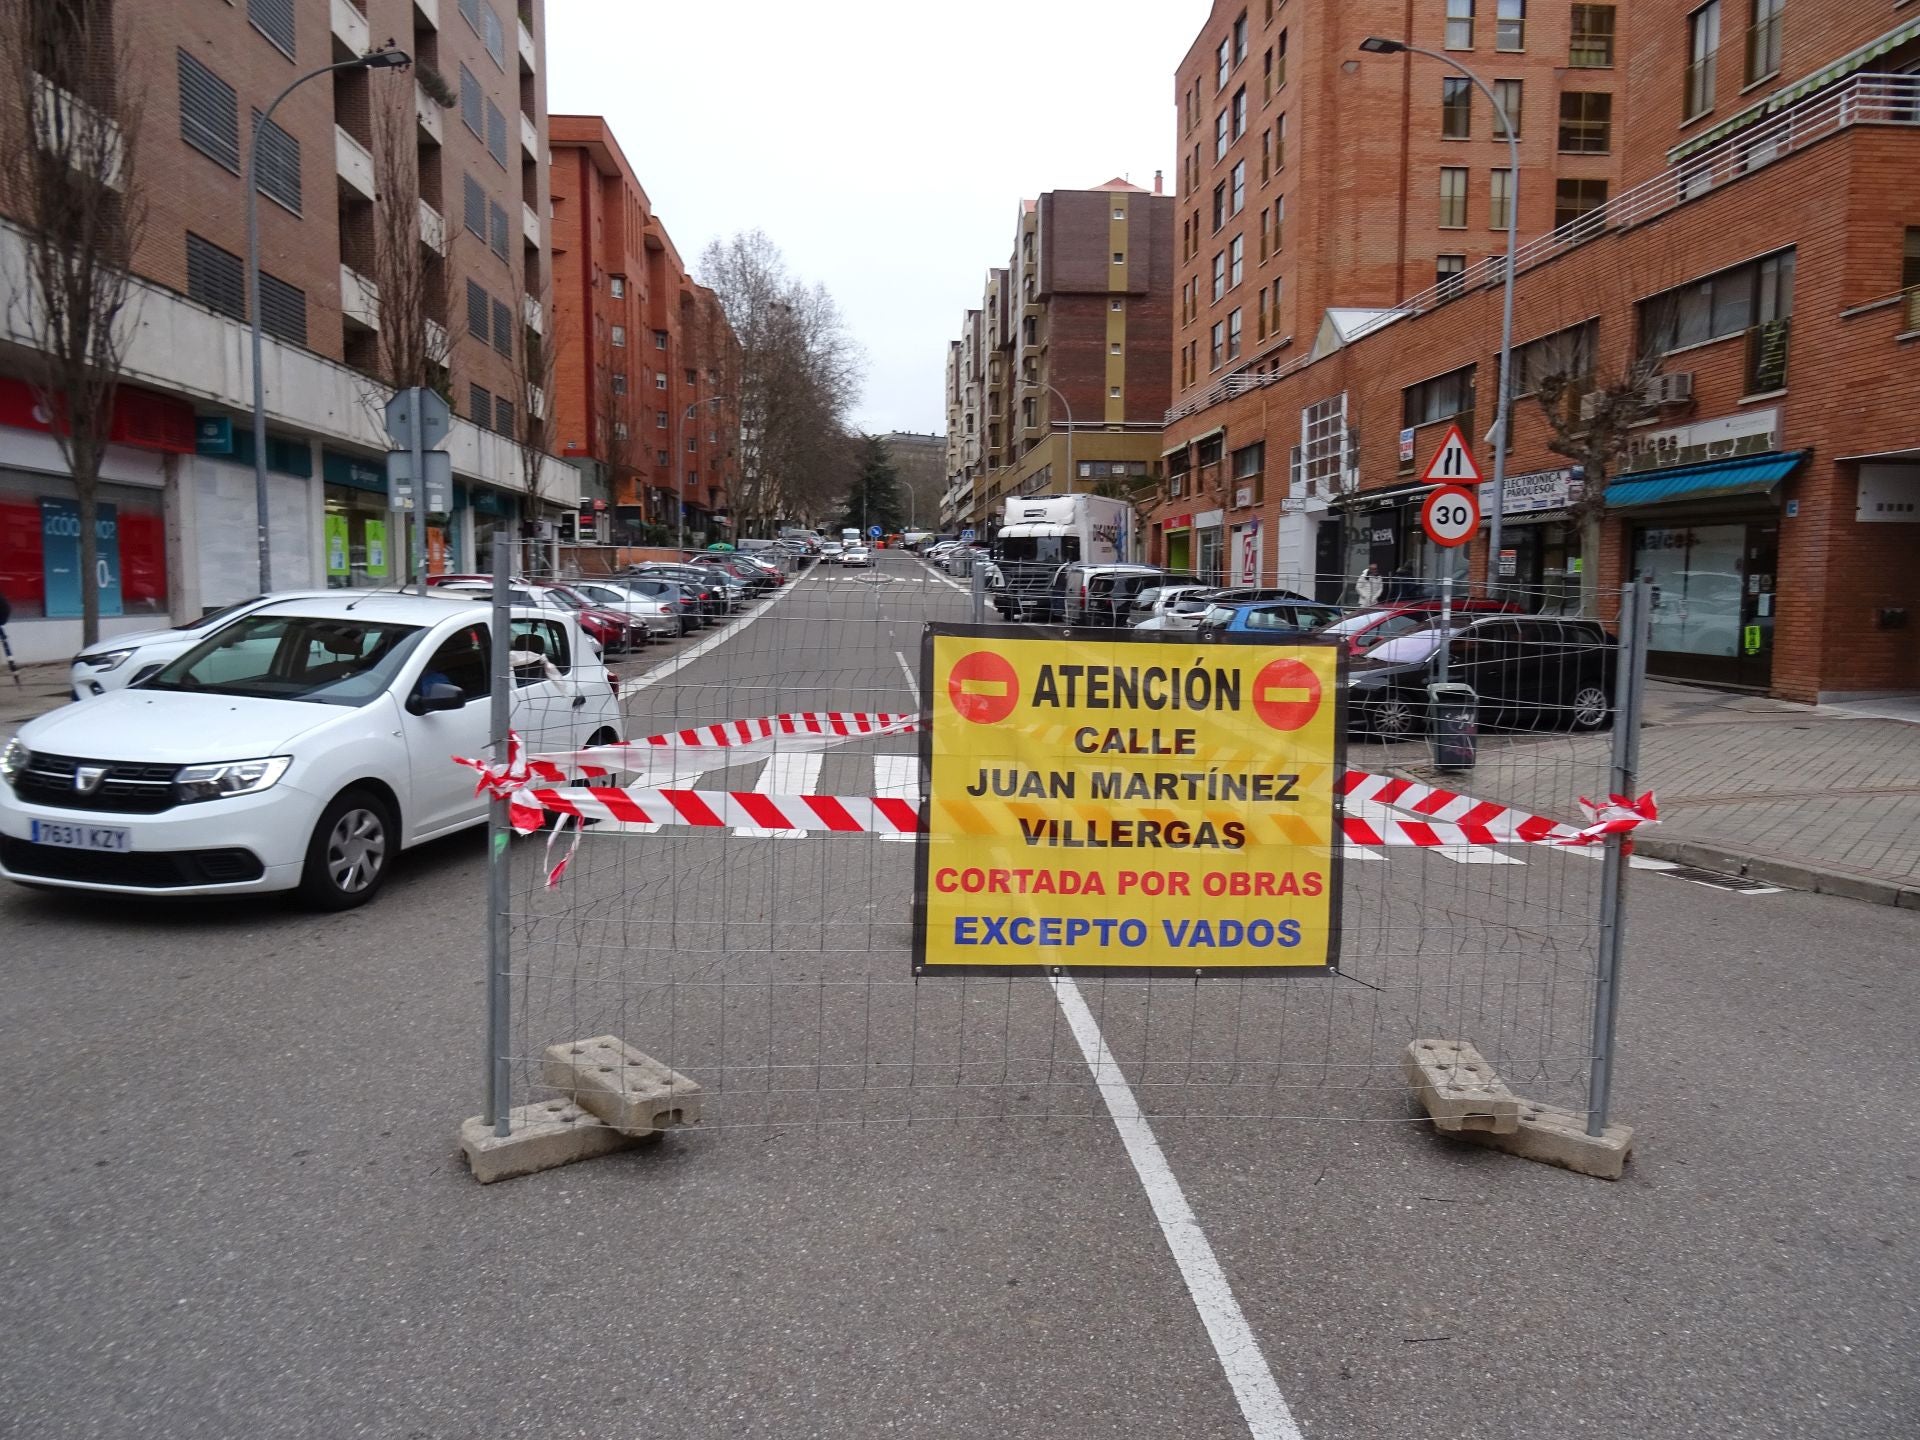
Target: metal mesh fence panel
771	964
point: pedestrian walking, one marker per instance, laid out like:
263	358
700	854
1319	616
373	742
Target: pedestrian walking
1369	585
6	614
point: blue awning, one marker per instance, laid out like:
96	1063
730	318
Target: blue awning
1748	475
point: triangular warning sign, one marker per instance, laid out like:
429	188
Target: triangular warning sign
1452	463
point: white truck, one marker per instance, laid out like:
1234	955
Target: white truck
1043	532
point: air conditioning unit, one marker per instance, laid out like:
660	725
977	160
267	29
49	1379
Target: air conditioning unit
1674	389
1591	402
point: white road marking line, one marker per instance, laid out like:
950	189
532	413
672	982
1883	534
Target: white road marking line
1361	852
1647	862
913	681
787	774
1260	1400
718	638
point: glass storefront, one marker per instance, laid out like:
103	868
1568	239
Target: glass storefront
1713	599
1540	563
359	550
40	548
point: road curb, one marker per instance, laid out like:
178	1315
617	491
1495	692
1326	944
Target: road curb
1791	874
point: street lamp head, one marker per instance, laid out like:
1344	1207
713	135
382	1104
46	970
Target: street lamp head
1380	45
386	59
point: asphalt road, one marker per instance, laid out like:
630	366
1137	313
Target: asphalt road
233	1204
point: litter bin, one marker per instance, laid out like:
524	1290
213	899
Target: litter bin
1454	723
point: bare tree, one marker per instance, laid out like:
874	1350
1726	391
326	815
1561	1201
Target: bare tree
532	364
70	138
411	259
616	439
799	374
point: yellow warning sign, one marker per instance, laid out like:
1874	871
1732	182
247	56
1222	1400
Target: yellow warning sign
1128	804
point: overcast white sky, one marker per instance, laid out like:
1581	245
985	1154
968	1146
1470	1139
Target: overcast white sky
883	144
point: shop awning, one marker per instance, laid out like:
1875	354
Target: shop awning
1720	479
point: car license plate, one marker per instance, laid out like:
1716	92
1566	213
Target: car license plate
82	837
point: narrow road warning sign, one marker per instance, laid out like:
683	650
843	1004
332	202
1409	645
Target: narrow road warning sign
1452	463
1132	806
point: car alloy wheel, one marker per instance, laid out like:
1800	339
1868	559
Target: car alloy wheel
1395	717
356	851
1590	707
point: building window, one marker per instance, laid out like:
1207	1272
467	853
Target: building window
1746	296
480	405
1219	205
493	35
1239	112
1119	257
1219	274
1219	345
474	206
1910	259
1459	24
1266	156
619	337
497	134
1113	347
1499	198
273	19
1586	123
1590	46
472	104
497	224
693	442
617	286
1233	334
1113	392
693	381
1447	270
209	114
1279	222
1441	398
1453	197
1576	199
276	168
503	329
1508	93
1225	66
283	310
1277	284
1263	235
619	383
1221	134
503	415
1510	28
1703	48
1763	40
1239	186
1240	38
216	278
479	312
1280	61
1236	256
1116	304
1456	108
1565	358
1260	315
660	376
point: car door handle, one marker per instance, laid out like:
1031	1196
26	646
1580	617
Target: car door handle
579	700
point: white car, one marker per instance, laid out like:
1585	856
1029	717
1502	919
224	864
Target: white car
831	551
124	660
300	747
858	555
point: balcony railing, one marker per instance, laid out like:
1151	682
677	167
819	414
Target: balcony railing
1863	99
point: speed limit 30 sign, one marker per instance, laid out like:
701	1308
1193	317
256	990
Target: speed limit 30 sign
1450	516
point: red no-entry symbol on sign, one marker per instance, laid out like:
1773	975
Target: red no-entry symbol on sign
1286	694
983	687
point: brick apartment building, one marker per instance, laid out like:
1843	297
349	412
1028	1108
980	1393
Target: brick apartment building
466	170
649	369
1078	323
1738	215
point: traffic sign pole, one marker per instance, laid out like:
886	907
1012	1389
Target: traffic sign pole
419	516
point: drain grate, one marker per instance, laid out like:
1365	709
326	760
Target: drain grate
1717	881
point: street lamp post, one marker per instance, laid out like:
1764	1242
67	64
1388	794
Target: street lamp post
1043	385
387	59
1376	45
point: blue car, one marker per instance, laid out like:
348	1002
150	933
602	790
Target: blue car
1278	618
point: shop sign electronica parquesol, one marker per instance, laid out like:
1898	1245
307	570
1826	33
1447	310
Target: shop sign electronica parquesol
1100	804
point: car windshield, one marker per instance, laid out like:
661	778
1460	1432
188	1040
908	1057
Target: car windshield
1375	627
1217	615
326	661
569	598
219	613
1410	648
1039	549
1191	604
1146	598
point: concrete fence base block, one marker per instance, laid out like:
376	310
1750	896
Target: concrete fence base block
632	1092
1459	1089
1555	1136
544	1136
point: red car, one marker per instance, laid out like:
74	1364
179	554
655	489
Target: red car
612	631
1364	629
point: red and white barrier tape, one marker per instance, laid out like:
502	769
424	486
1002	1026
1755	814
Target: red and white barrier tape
1443	817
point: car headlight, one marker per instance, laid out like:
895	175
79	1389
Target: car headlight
105	659
13	759
229	777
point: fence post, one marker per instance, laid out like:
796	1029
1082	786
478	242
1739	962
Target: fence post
499	1079
977	577
1629	690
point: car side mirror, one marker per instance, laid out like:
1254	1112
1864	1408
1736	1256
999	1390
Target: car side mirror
436	696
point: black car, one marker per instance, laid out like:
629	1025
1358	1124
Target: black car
1527	671
1110	597
710	599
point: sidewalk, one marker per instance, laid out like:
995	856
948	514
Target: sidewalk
1813	797
42	688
